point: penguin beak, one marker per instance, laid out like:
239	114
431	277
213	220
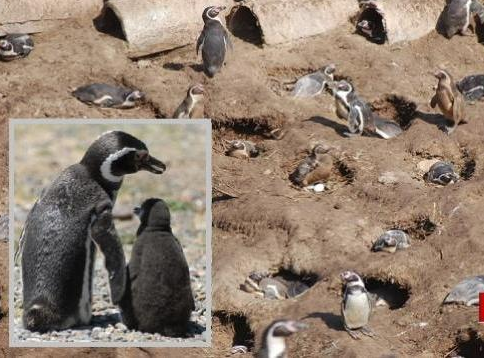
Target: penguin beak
153	165
137	210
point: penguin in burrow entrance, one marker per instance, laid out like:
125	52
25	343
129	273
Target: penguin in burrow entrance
70	219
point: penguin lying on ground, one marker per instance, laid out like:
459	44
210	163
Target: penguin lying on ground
442	173
213	41
273	339
194	95
242	149
471	87
71	215
456	18
466	291
391	241
272	287
158	295
358	114
316	168
449	100
314	83
14	46
105	95
356	306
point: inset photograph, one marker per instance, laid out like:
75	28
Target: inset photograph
110	233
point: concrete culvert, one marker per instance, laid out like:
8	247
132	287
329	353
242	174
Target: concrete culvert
396	20
156	26
289	20
28	16
243	24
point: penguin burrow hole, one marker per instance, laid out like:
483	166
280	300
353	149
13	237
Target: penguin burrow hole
346	172
109	23
388	291
469	344
243	24
397	108
418	228
282	284
235	328
468	167
241	128
376	29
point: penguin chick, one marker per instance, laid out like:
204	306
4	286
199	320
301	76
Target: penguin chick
71	215
273	339
456	18
391	241
194	95
356	306
471	87
14	46
350	107
104	95
314	83
158	296
213	41
242	149
442	173
449	100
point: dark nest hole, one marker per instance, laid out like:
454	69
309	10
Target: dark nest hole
347	173
377	32
397	108
109	23
237	326
243	24
393	293
243	128
469	344
307	278
418	229
469	166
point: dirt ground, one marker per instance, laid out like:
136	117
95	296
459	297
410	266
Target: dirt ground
261	221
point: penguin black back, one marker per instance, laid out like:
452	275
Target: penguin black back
159	296
213	40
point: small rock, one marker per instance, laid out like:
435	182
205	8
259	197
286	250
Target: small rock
120	326
390	178
267	172
142	64
96	332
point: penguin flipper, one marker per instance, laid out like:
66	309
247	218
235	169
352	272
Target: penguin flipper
21	241
200	42
355	123
104	234
228	42
433	101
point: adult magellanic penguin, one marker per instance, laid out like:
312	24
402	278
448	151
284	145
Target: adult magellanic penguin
14	46
213	41
158	295
273	339
455	18
70	217
194	95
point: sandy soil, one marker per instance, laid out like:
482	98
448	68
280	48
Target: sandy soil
262	222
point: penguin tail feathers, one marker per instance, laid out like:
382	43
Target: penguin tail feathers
40	317
211	71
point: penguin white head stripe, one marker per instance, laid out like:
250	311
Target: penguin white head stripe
212	13
273	337
106	170
343	89
329	70
197	90
351	278
5	45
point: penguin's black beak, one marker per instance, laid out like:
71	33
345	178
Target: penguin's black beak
152	165
137	210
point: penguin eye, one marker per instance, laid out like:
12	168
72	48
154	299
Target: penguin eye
141	156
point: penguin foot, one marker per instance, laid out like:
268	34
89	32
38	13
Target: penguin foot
367	332
353	334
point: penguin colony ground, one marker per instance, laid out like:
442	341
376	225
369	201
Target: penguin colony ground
360	122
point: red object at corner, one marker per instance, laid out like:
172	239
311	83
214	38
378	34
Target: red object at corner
481	307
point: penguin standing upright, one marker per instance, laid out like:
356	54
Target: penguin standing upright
158	295
273	338
71	215
214	40
194	95
449	100
356	305
456	18
15	46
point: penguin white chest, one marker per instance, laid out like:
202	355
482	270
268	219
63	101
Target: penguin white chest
276	347
357	310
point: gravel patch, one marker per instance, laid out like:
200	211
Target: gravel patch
106	324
